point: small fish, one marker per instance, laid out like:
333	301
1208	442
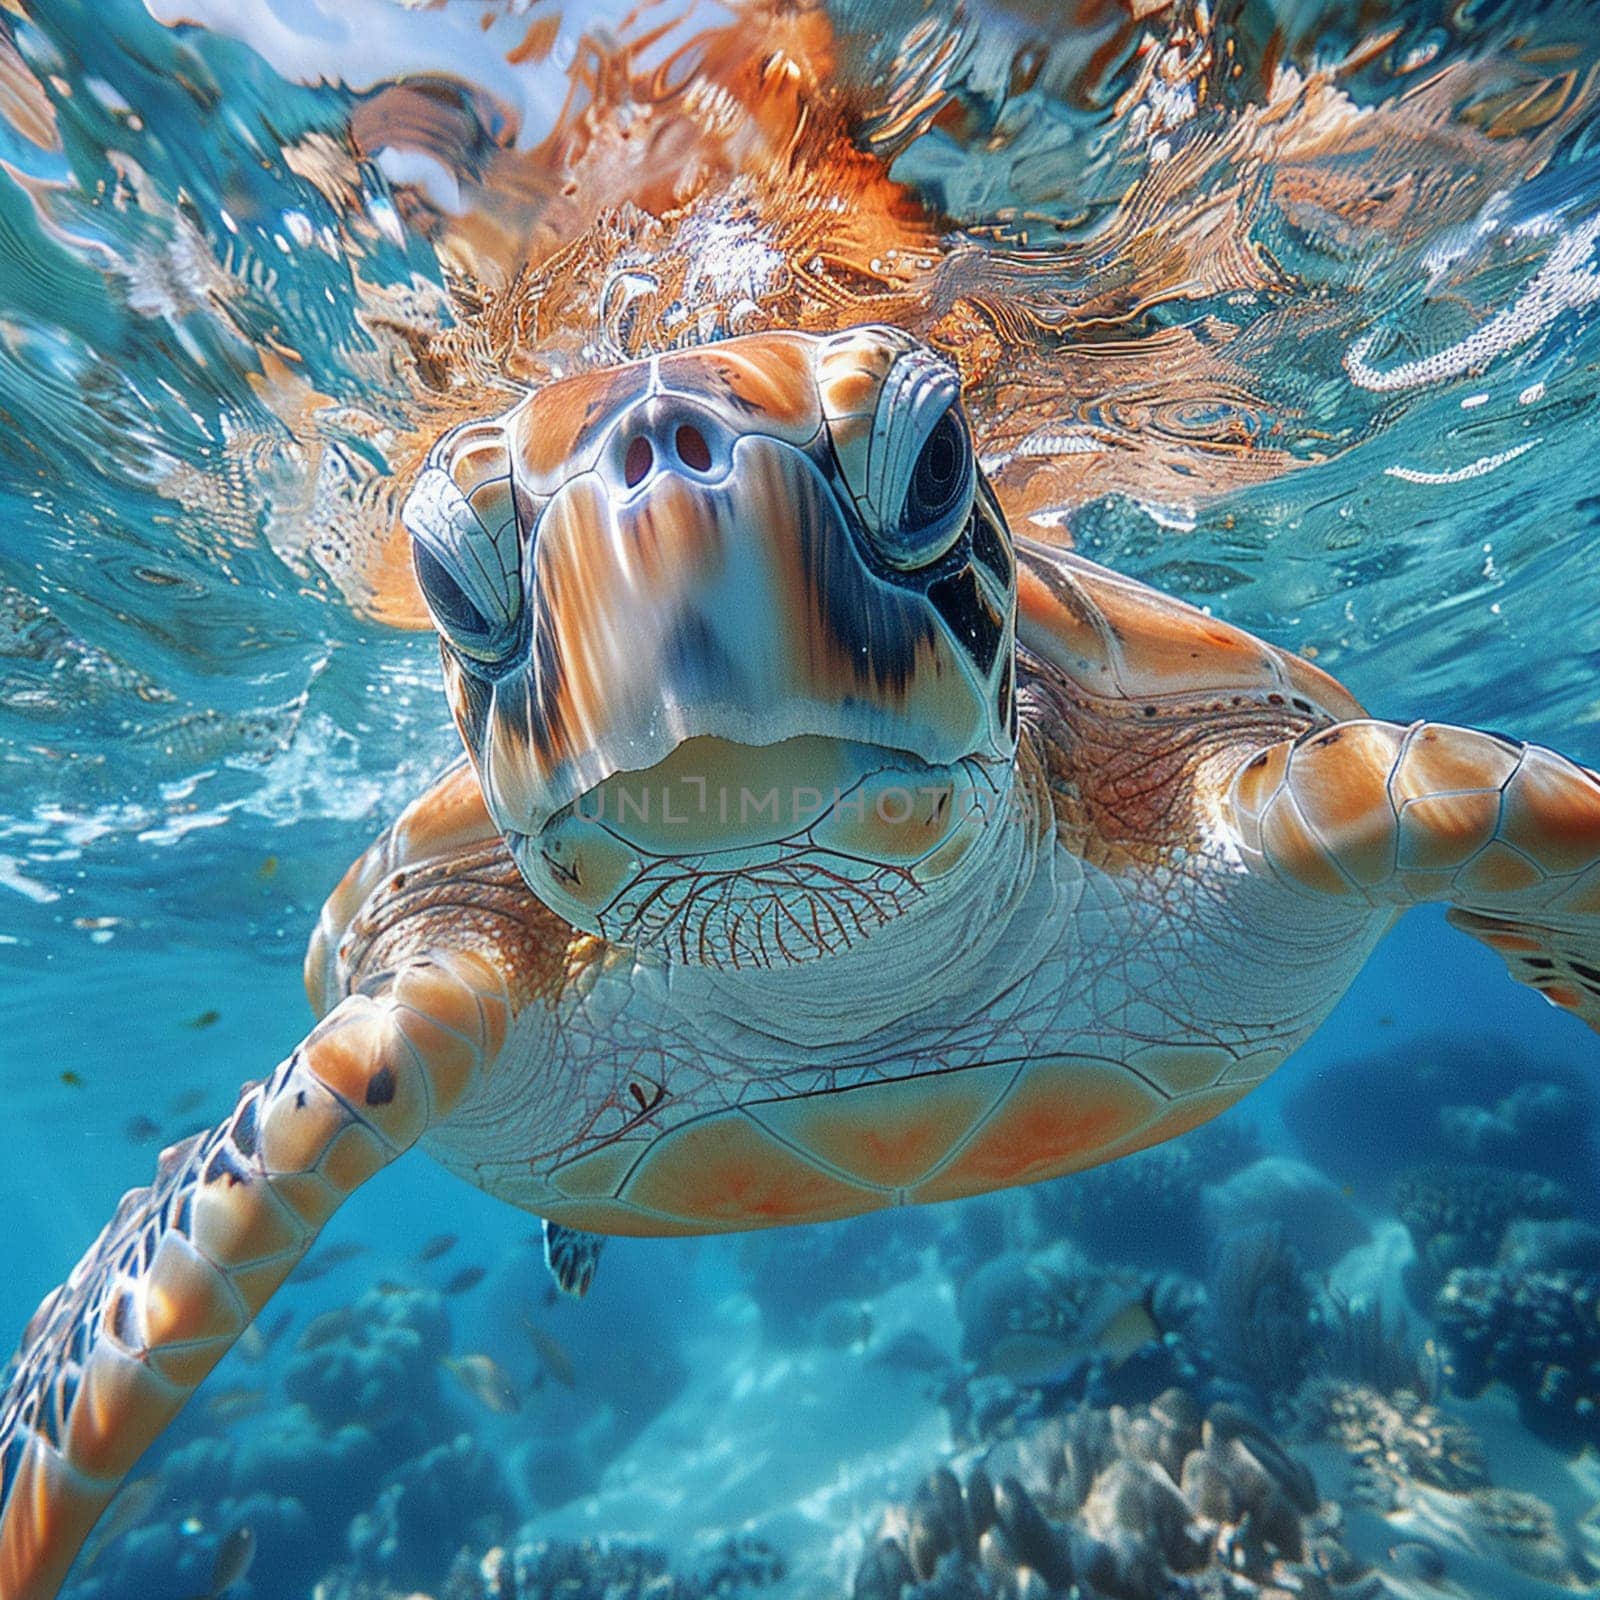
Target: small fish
132	1505
141	1129
325	1329
268	869
466	1278
325	1261
393	1286
440	1244
234	1556
189	1100
486	1381
206	1019
1114	1328
276	1329
256	1341
232	1404
1130	1329
71	1079
552	1358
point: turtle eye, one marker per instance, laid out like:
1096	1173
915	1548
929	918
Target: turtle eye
450	604
936	503
915	478
940	476
466	545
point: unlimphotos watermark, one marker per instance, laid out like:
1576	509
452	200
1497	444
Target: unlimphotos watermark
694	800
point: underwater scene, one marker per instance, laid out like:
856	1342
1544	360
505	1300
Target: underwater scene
1106	492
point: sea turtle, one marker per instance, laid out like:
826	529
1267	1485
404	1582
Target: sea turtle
819	845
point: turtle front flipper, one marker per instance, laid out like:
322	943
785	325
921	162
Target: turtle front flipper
185	1265
1506	834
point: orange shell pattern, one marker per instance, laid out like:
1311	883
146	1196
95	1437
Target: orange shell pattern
939	1136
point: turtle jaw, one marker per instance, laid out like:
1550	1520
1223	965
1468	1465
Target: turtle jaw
735	855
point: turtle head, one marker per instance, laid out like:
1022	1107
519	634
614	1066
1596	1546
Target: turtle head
728	634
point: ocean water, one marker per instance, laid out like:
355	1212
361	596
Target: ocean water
1293	310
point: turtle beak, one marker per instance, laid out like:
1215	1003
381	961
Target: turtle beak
691	585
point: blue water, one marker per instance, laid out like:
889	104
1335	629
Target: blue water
202	722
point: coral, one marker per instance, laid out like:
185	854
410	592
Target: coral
1507	1528
285	1452
374	1363
1036	1307
1051	1327
429	1506
606	1570
1526	1533
176	1555
1260	1324
1364	1344
1536	1332
1427	1472
1458	1214
1532	1245
791	1275
1517	1130
1392	1439
1316	1218
1147	1208
1126	1504
1411	1106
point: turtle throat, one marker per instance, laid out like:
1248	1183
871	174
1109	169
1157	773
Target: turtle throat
740	856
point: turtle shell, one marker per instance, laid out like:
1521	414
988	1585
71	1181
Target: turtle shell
816	1157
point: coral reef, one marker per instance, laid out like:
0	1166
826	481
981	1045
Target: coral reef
1147	1209
1364	1344
364	1461
1260	1323
1393	1439
1029	1311
1427	1472
1532	1245
1051	1327
1457	1216
1536	1332
1316	1219
1443	1100
793	1273
432	1502
1125	1504
1517	1130
371	1362
594	1570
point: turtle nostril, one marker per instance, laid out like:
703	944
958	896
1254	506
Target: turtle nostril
637	461
693	451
